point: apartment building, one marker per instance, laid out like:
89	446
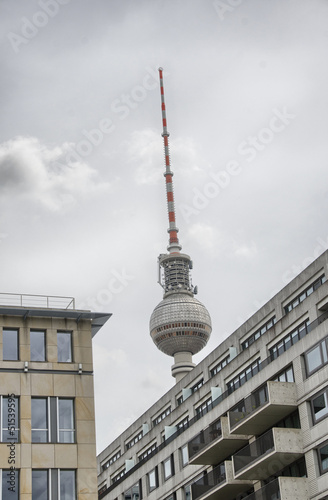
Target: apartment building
249	421
47	440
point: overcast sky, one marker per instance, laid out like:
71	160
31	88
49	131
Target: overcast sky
82	193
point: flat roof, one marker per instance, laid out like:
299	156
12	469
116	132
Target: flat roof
97	319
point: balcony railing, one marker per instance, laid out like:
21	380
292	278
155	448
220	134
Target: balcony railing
252	403
255	450
43	301
264	408
208	481
204	438
282	488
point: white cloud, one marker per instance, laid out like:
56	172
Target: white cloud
34	171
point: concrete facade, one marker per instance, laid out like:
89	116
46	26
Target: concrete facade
249	421
58	455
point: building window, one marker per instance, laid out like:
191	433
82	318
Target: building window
323	458
183	423
303	295
217	368
197	386
111	460
203	408
38	345
162	415
64	347
168	467
10	484
54	484
10	344
171	497
316	357
258	333
133	493
289	340
243	376
152	480
286	375
187	492
134	440
9	419
184	455
179	400
52	420
118	475
147	452
39	420
319	405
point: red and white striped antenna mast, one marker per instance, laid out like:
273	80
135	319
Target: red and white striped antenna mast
174	245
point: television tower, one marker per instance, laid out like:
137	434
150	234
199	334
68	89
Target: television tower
180	325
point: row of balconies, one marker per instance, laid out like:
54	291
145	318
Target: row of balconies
252	459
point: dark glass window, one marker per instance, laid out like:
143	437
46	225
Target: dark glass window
56	413
64	347
38	345
40	484
305	293
323	458
39	407
10	485
10	419
319	404
10	344
67	487
66	432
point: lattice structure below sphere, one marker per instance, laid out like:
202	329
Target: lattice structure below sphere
180	323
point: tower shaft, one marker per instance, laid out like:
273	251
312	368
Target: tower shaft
174	246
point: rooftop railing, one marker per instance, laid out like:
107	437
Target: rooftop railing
43	301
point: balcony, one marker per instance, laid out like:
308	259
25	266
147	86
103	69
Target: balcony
215	444
282	488
264	408
268	454
219	483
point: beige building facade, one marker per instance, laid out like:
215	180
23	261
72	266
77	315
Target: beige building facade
48	446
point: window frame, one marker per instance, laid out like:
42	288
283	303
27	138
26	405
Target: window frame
323	362
317	395
54	483
70	333
16	413
53	420
184	463
319	448
169	460
154	472
36	331
7	330
5	480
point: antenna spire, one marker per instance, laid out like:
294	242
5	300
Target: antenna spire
174	245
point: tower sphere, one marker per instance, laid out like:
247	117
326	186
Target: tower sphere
180	323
